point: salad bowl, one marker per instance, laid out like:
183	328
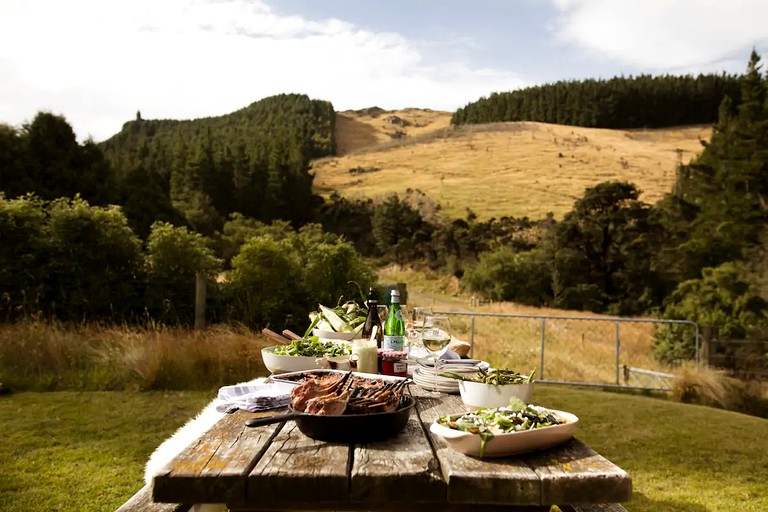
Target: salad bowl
278	363
479	394
340	336
506	444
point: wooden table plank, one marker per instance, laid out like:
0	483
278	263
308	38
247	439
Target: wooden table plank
214	468
300	470
402	469
276	467
471	480
574	473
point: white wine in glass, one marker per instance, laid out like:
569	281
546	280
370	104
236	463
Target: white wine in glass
435	342
435	336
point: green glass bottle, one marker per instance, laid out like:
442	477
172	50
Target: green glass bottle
394	327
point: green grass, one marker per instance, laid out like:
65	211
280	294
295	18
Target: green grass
681	457
69	451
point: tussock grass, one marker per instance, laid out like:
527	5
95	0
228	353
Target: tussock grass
703	385
43	356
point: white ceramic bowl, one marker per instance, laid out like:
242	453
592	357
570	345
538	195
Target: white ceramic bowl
332	335
502	445
477	394
284	364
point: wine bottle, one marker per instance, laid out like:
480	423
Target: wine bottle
394	327
372	319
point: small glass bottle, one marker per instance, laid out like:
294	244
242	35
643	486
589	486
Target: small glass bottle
394	327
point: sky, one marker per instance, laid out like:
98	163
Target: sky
98	62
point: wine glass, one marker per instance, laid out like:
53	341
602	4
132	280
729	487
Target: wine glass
435	337
415	324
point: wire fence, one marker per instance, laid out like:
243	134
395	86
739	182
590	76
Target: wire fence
587	350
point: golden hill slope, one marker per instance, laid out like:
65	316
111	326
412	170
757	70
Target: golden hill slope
514	169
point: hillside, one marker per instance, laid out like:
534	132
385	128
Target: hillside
514	169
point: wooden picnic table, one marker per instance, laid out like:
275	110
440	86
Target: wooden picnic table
276	467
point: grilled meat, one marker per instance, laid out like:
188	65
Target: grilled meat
343	394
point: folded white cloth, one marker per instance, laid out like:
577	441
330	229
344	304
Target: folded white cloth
253	397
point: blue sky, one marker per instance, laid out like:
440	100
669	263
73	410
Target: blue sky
99	61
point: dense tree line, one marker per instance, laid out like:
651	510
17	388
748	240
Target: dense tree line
67	260
43	157
254	161
622	102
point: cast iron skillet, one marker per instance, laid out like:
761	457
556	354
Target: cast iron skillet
348	428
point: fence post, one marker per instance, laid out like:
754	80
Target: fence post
543	335
618	348
200	290
472	337
707	337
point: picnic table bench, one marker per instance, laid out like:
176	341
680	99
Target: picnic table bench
276	467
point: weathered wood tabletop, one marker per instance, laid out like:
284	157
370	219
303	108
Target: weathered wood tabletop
276	467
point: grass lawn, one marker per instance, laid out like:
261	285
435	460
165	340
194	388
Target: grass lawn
69	451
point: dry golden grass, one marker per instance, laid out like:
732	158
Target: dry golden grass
45	356
358	130
575	350
514	169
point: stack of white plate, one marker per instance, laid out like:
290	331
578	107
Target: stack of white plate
425	377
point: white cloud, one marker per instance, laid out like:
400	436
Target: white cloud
666	35
97	62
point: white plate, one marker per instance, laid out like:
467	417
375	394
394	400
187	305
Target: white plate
429	382
502	445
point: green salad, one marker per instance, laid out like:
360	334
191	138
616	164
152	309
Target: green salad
487	422
494	377
313	347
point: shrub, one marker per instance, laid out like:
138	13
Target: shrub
277	280
722	298
23	247
92	263
504	274
174	257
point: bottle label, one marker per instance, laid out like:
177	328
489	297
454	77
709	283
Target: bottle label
394	342
400	368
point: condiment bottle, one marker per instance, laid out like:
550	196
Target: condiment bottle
372	319
394	327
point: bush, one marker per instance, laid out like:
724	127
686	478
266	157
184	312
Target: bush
93	261
174	257
278	280
504	274
722	298
23	247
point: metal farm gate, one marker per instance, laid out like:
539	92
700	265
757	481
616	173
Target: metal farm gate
585	350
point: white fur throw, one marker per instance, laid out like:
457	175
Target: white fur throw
172	446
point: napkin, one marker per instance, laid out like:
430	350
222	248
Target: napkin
253	397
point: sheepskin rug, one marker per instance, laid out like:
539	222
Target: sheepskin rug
172	446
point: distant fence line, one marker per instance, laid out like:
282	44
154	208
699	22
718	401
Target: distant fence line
612	366
743	358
